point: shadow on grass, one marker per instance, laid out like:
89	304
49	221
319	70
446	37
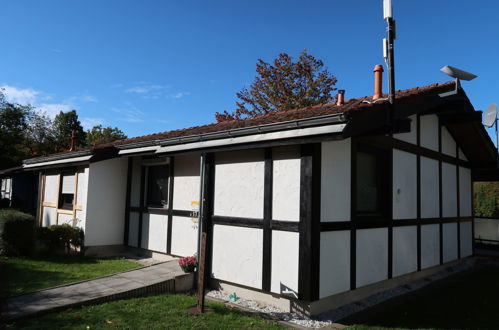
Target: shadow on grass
464	301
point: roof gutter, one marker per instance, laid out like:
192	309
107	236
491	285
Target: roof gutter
152	146
290	129
52	158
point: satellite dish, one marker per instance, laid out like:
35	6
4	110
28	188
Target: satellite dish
490	115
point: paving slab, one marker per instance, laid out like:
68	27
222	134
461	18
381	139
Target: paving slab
134	283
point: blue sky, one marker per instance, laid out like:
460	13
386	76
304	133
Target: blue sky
149	66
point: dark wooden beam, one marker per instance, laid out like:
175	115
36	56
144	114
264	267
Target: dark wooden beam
127	201
267	221
309	252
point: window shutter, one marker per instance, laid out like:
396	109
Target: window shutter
68	184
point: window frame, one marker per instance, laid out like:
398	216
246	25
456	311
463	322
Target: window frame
147	166
383	183
61	205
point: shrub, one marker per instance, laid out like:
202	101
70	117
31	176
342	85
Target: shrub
62	237
17	232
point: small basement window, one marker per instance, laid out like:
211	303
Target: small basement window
67	190
157	186
372	182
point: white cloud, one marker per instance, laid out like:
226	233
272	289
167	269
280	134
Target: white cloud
145	89
179	95
41	100
19	95
130	115
53	109
88	122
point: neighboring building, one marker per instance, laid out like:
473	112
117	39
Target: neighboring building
18	189
303	205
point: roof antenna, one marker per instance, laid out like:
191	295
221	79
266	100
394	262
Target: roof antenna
388	48
459	75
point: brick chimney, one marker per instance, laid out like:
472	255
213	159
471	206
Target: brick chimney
73	141
340	98
378	82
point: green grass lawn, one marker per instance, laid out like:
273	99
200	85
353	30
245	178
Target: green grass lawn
22	275
464	301
156	312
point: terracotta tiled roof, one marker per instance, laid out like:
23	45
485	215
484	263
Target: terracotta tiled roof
352	105
294	114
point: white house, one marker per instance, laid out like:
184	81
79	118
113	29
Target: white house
302	207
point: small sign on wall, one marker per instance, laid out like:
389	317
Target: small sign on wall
286	291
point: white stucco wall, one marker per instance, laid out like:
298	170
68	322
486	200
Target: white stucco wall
81	198
239	180
449	190
65	219
133	233
154	229
237	255
49	216
411	136
336	180
449	241
285	256
405	246
404	185
186	186
462	155
448	143
334	263
429	188
286	183
430	245
184	236
51	188
372	256
106	202
429	132
465	192
466	239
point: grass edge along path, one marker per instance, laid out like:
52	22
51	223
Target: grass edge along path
20	275
168	311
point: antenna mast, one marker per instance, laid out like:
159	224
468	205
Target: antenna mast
389	56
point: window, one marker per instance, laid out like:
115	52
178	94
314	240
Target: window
67	190
157	186
372	182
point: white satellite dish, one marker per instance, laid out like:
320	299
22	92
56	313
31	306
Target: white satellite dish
490	115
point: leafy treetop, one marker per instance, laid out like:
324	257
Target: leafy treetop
284	85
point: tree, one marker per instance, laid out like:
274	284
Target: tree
13	123
39	139
284	85
486	199
64	124
98	135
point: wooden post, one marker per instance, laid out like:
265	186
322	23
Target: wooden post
204	257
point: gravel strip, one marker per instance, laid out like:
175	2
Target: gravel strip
271	310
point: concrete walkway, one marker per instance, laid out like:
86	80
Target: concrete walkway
159	278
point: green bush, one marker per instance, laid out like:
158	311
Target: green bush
17	232
62	238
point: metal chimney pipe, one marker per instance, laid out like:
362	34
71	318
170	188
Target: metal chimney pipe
340	99
378	81
73	141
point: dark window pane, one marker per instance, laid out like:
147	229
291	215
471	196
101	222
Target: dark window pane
367	183
66	201
157	186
